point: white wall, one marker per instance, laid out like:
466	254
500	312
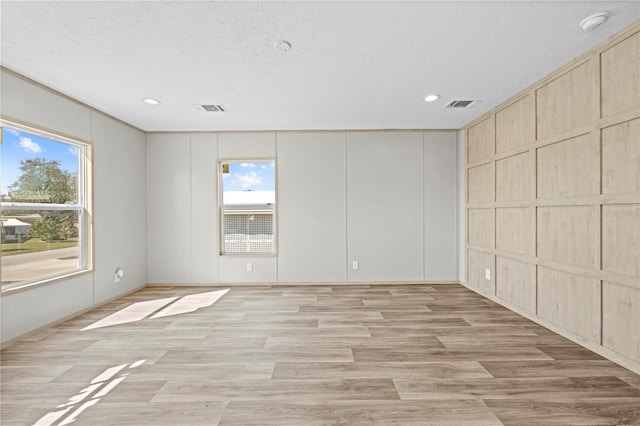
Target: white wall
119	206
204	240
169	208
385	199
119	189
440	224
311	207
384	206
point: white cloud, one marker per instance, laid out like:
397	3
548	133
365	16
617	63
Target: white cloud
251	165
29	145
73	150
246	180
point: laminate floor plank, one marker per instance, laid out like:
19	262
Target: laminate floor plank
32	374
584	411
354	331
551	389
198	413
176	373
281	342
396	370
568	352
573	368
447	354
506	340
423	413
315	316
423	322
482	332
345	309
282	390
353	354
633	380
221	355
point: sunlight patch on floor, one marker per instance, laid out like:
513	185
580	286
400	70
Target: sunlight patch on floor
99	387
159	308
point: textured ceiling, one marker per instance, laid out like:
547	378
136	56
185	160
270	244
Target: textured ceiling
353	65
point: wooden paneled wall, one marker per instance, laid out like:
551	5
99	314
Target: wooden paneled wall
553	201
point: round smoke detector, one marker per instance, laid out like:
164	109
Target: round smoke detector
591	22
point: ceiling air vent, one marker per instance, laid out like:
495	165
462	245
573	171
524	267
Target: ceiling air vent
460	104
211	107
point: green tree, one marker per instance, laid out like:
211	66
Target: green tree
44	181
49	228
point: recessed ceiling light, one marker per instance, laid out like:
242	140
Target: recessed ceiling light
282	46
151	101
593	21
431	98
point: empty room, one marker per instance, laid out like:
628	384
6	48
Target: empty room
320	213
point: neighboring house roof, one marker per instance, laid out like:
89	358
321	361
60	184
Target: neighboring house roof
14	222
249	198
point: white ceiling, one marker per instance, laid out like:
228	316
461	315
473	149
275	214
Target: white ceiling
353	65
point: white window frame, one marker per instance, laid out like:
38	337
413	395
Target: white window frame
83	206
220	199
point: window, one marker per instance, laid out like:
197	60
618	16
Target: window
247	207
43	209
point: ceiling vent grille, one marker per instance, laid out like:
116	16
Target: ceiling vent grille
211	107
460	104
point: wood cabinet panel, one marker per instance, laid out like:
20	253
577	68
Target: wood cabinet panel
621	158
477	263
516	282
620	66
570	301
515	178
621	319
482	227
481	141
621	239
569	168
568	234
514	230
515	126
481	184
567	102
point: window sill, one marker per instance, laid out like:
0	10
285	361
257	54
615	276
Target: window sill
51	280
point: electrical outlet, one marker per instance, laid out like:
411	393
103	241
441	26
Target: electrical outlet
249	266
355	264
487	274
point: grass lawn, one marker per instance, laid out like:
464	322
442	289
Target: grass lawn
34	244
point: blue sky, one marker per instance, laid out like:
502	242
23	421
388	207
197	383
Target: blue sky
250	175
18	145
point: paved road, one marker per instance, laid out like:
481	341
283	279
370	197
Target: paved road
38	256
29	266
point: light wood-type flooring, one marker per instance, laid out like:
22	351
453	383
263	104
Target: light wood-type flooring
306	355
